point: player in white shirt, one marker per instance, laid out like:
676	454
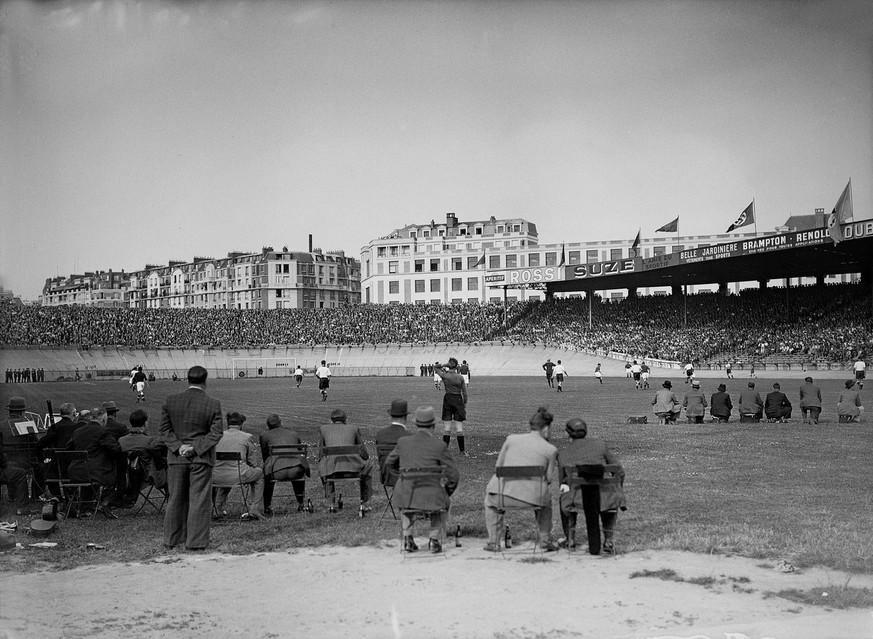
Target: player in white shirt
323	375
689	372
860	368
636	372
298	375
560	373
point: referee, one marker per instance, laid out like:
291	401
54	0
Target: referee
454	402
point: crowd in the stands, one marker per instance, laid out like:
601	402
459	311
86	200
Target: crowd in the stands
816	323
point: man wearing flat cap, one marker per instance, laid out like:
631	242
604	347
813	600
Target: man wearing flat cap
810	401
228	471
282	467
339	433
695	403
598	501
387	438
530	449
721	405
431	494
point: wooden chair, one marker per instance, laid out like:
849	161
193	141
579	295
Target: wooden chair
138	471
599	475
386	475
19	453
515	473
418	478
340	476
77	493
289	451
234	457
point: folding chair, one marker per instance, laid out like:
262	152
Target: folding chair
290	451
348	475
599	475
387	477
77	493
514	473
237	457
418	478
23	454
138	471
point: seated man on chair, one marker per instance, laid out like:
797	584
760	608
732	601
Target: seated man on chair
421	450
595	501
102	448
282	468
58	435
152	458
389	436
234	440
339	433
531	449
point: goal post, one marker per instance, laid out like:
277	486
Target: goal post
247	367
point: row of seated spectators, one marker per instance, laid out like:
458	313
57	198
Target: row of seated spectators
818	322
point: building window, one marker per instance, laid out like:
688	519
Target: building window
516	228
591	256
457	283
457	263
573	257
419	266
434	286
478	230
381	251
404	250
472	262
500	229
615	254
493	261
392	266
434	265
678	247
419	286
533	259
393	287
435	302
512	261
426	234
659	250
472	283
393	251
457	301
551	258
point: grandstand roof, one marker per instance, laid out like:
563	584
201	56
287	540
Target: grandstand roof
849	256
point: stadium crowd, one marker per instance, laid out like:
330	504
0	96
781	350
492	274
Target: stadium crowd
816	323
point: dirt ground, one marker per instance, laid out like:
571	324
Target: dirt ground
372	592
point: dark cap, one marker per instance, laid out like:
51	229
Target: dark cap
667	384
850	383
577	428
751	384
235	418
110	407
338	416
399	408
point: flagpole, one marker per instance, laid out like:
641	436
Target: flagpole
755	215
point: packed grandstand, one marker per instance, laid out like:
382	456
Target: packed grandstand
811	323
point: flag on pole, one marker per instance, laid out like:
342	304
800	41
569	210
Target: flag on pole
481	260
636	245
842	213
563	256
672	227
746	217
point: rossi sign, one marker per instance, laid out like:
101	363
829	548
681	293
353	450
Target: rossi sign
524	276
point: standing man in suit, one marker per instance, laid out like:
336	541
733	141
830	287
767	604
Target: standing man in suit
389	436
191	426
282	468
338	433
422	450
531	449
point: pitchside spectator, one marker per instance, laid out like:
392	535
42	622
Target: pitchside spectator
810	401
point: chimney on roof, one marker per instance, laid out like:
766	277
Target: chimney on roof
451	220
310	242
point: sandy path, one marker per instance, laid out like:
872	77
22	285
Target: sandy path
372	592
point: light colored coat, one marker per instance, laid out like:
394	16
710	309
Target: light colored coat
529	449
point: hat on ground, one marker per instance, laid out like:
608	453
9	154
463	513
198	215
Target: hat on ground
399	408
235	418
667	384
695	383
110	407
722	387
425	417
850	383
16	403
577	428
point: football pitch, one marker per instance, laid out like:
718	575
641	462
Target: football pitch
773	491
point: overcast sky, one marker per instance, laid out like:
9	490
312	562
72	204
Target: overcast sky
137	132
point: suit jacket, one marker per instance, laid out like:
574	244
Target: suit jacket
416	451
591	451
721	405
529	449
281	437
751	402
849	403
695	403
116	428
389	436
665	401
192	417
341	435
235	440
153	455
810	395
102	448
775	401
58	436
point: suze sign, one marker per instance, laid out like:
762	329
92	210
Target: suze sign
596	269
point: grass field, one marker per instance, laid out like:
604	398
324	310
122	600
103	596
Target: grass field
770	491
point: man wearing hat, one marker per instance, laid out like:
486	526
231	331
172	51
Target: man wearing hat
530	449
849	406
600	503
339	433
284	467
388	436
23	454
248	471
150	457
776	405
695	403
422	450
721	405
191	426
103	450
667	408
15	479
118	431
810	401
59	435
751	404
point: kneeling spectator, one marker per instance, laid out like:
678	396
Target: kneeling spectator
695	404
282	468
666	406
721	405
849	406
776	406
226	472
